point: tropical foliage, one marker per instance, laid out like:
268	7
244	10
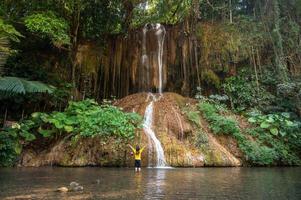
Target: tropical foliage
80	119
10	86
48	25
266	147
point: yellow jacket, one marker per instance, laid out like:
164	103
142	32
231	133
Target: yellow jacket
137	154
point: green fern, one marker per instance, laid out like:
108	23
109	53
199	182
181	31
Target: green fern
11	86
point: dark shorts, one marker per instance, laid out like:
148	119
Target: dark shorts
137	163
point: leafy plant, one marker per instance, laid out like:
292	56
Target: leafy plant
245	93
258	154
85	118
218	123
9	32
10	86
276	124
11	140
80	119
192	116
9	148
47	24
266	149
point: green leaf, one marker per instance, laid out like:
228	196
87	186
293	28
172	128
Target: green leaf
274	131
58	124
68	129
45	133
265	125
252	120
18	148
270	119
35	115
289	123
11	86
282	133
28	136
285	115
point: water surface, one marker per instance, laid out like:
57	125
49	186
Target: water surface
111	183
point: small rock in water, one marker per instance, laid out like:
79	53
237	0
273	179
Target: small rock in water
62	189
74	186
78	188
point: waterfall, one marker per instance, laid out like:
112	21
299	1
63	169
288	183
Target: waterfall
160	33
154	143
147	127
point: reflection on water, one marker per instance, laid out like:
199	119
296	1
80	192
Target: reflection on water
104	183
155	184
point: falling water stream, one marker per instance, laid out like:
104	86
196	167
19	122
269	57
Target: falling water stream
154	143
148	129
160	33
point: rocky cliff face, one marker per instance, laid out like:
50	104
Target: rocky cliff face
176	133
118	70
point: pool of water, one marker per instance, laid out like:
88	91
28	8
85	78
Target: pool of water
112	183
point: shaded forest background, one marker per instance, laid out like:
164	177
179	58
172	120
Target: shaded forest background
248	50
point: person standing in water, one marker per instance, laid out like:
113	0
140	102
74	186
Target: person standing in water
137	153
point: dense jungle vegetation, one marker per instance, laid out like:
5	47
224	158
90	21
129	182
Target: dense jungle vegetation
249	62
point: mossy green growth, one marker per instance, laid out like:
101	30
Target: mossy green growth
211	78
201	139
218	123
212	158
192	114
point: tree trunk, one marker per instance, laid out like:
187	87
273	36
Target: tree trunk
129	8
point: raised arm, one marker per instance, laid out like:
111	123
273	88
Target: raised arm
142	148
131	147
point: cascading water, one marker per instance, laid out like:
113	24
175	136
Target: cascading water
147	126
154	143
160	33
